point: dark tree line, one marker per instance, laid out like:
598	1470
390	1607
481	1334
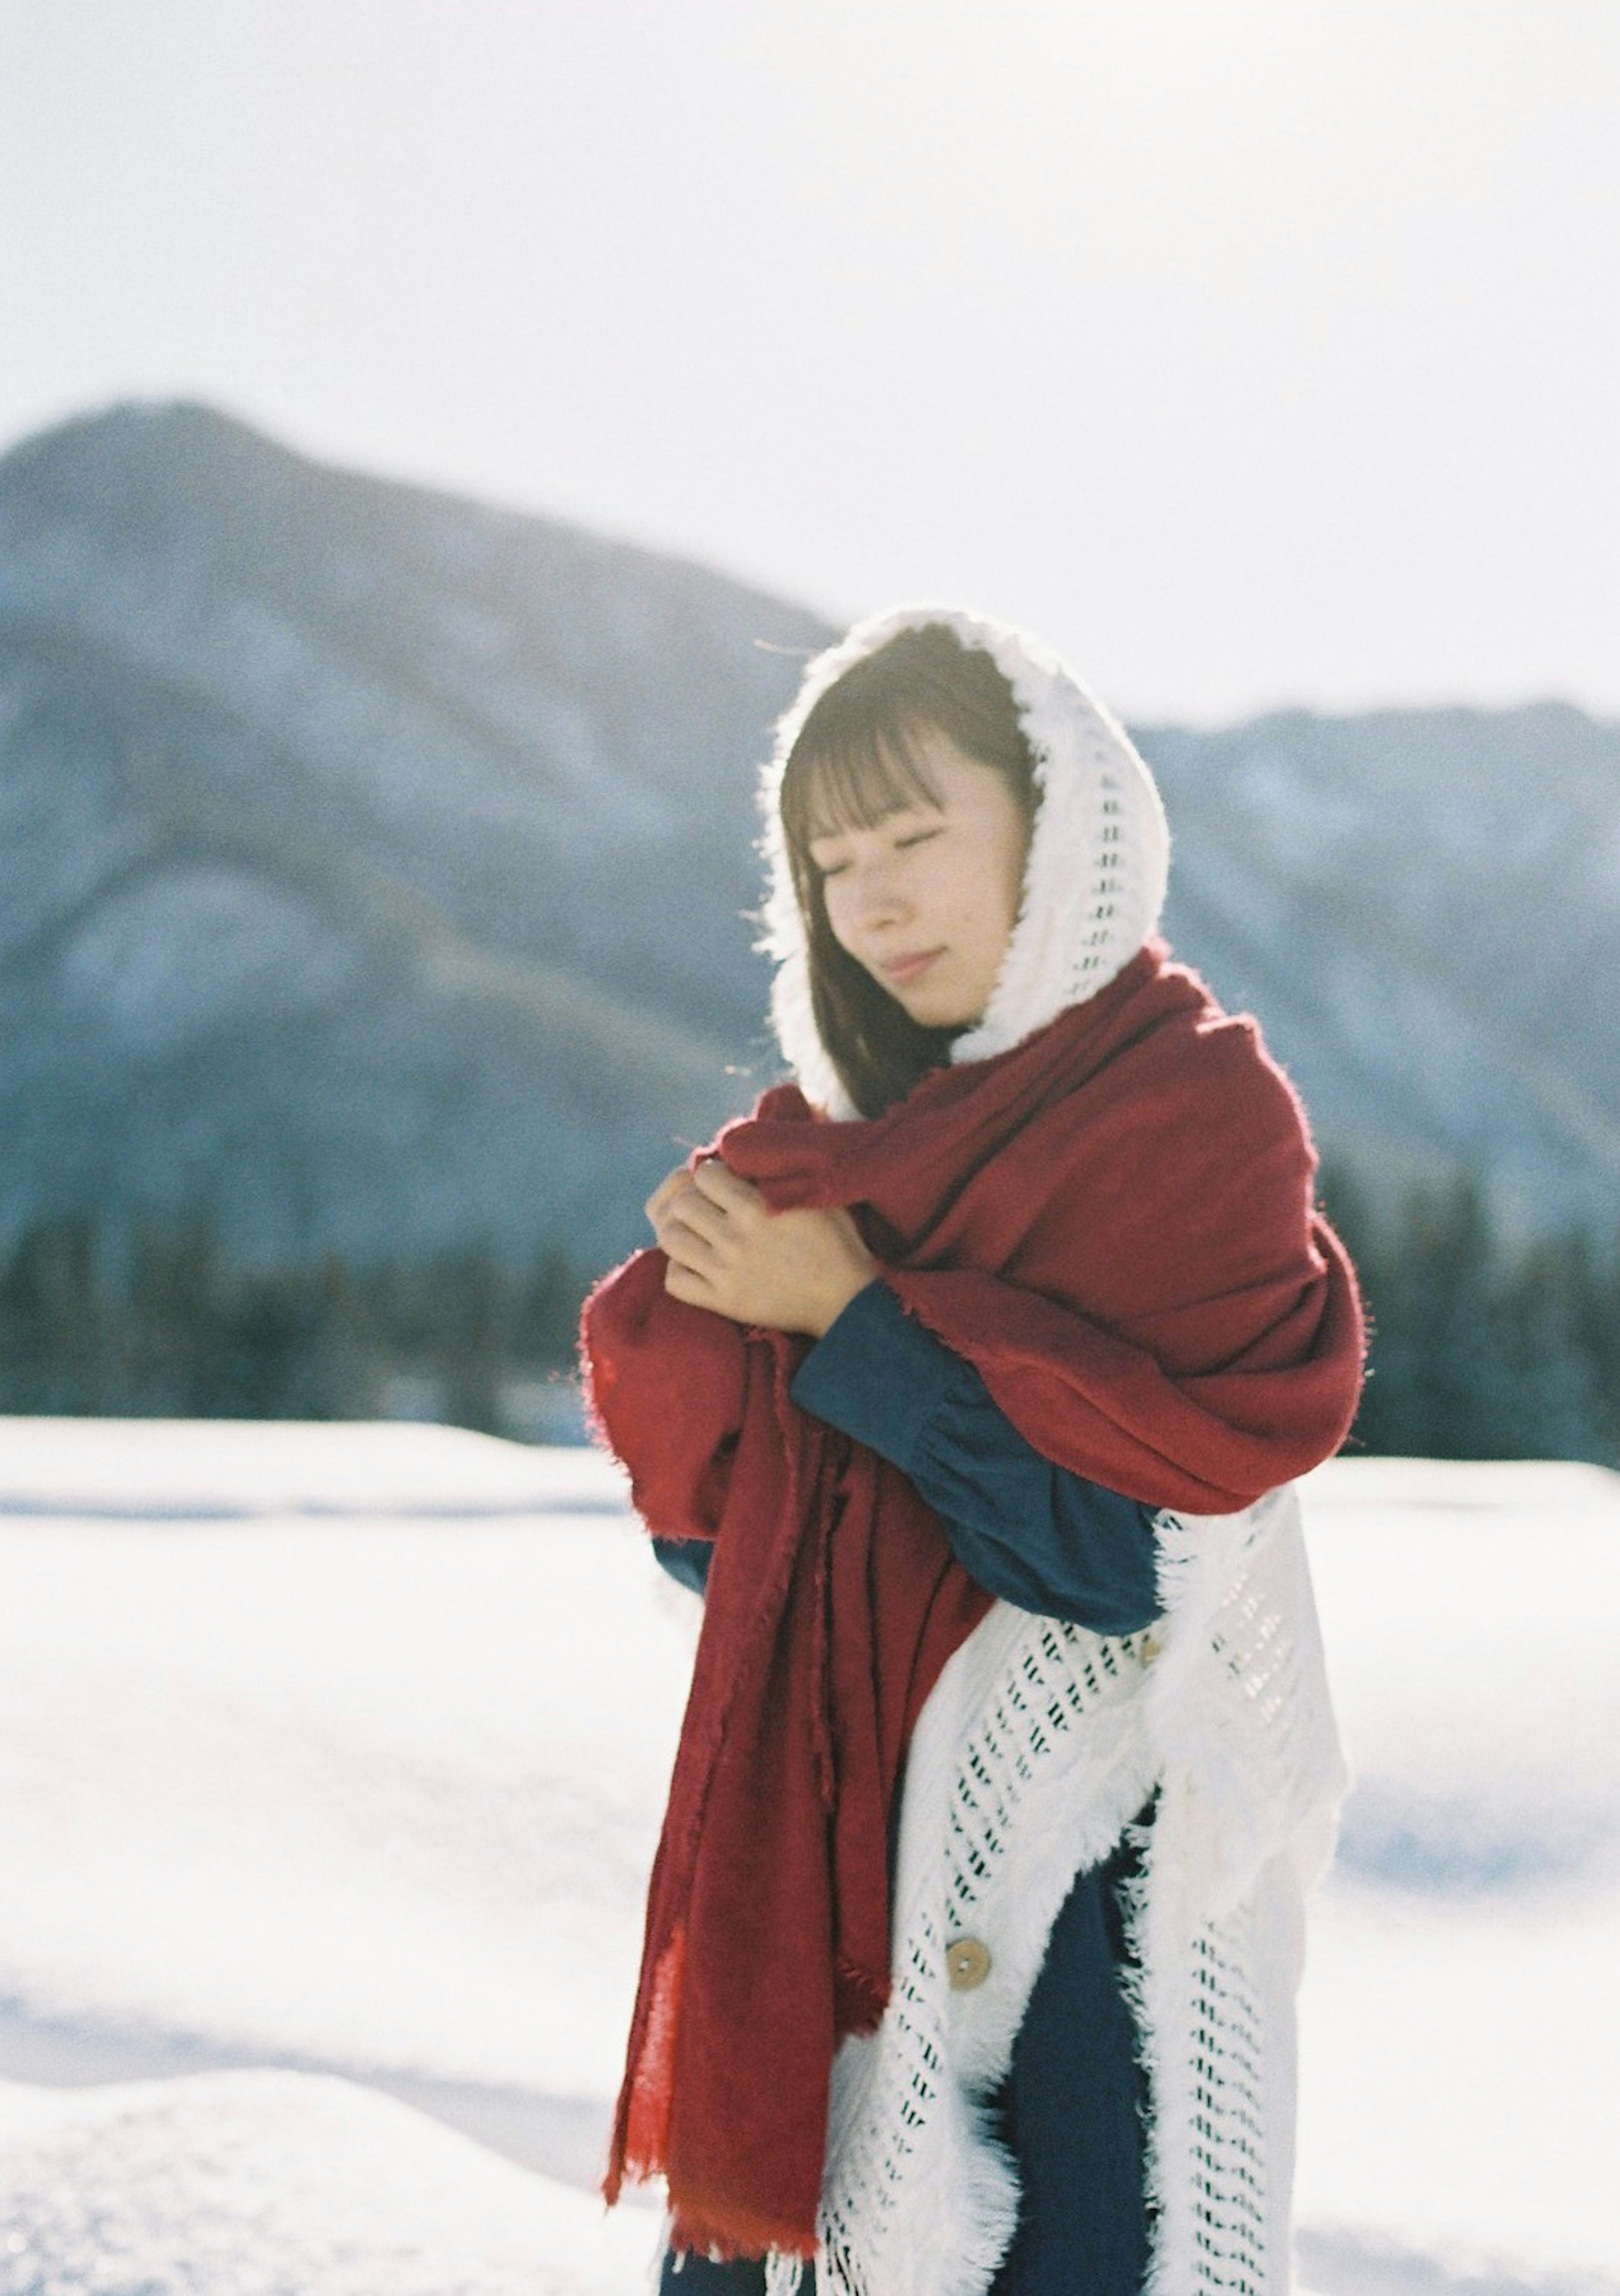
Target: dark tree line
1481	1348
161	1325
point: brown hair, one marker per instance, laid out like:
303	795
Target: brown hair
855	761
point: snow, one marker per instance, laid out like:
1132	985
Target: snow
280	2183
1461	1970
337	1752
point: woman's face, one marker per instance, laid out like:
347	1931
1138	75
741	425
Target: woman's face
926	899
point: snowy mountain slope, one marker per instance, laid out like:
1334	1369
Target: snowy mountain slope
359	847
377	868
293	1775
1423	907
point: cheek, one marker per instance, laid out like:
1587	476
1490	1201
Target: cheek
834	900
985	896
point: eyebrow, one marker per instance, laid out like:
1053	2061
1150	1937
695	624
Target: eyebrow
822	833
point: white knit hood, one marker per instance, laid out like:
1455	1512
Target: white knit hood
1094	881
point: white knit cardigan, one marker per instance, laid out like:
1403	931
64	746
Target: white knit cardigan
1041	1741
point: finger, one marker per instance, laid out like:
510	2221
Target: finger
720	1186
693	1210
691	1237
666	1192
686	1284
684	1204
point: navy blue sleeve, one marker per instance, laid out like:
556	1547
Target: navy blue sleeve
686	1560
1030	1531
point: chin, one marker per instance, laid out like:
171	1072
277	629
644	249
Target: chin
938	1014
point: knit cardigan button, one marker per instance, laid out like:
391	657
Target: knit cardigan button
967	1963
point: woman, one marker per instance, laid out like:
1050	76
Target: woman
977	1368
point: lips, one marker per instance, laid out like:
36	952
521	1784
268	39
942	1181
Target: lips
901	972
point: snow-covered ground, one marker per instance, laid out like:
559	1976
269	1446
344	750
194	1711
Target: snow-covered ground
340	1751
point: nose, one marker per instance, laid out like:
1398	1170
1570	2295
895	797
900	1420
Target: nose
874	895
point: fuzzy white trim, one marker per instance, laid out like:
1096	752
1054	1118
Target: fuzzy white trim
919	2199
1252	1776
1038	1746
1001	1808
1098	860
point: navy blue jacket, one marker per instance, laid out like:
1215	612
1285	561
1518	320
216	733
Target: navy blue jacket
1051	1542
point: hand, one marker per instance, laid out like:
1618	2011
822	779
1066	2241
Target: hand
794	1271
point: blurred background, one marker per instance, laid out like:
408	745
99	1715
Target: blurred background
432	435
436	434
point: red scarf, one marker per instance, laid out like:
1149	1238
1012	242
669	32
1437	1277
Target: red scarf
1114	1222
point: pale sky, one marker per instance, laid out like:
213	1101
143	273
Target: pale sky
1253	354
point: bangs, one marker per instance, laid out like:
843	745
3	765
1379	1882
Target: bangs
853	781
861	755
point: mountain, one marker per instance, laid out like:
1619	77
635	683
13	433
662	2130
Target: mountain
375	863
1423	907
377	868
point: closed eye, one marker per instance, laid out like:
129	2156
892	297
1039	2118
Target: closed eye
898	843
